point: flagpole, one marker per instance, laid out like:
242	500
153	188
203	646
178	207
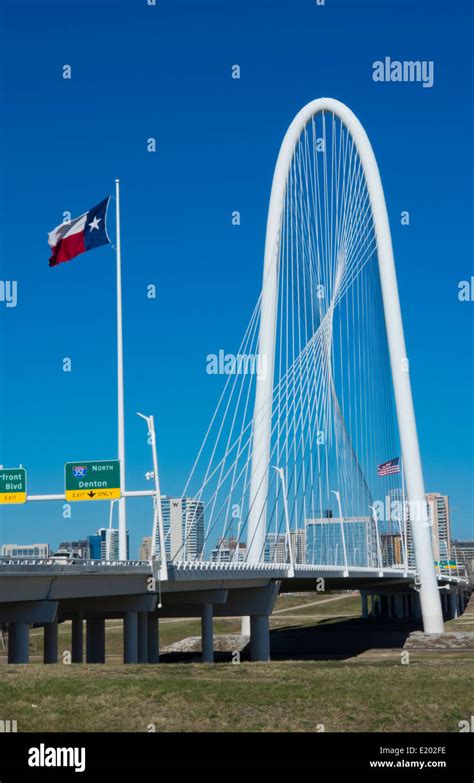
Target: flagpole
122	526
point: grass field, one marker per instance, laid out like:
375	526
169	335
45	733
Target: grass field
370	691
432	693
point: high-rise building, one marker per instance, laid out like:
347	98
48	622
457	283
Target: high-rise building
145	548
439	518
25	550
325	545
298	545
275	548
99	541
463	552
229	550
438	509
392	550
183	525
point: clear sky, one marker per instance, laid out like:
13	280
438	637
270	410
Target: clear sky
164	71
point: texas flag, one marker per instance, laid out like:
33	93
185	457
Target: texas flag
79	235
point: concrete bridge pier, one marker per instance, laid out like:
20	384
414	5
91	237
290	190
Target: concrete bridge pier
417	606
444	604
259	637
142	634
18	643
453	605
153	640
95	640
399	606
50	651
207	633
20	616
130	637
364	599
77	638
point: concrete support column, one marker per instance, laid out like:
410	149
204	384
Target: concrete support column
417	606
77	638
365	604
399	606
259	638
453	608
207	634
18	643
95	640
153	640
130	637
444	604
142	618
50	652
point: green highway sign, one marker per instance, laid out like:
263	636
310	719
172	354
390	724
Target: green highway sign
12	485
99	480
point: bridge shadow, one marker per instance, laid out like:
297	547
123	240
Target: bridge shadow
334	638
330	638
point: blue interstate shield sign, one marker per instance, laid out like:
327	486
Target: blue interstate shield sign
79	471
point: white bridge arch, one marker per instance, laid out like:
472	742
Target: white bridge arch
262	417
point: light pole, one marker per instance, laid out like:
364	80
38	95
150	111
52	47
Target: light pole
281	474
338	496
109	532
157	510
379	551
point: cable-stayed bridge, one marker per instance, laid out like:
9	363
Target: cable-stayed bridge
310	469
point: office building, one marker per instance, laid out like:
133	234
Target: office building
25	550
275	548
325	545
145	548
392	550
103	540
462	551
229	550
438	509
298	546
183	524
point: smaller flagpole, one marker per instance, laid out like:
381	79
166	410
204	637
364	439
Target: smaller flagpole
121	416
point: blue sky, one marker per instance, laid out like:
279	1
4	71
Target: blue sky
165	72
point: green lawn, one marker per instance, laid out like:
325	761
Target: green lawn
370	691
432	693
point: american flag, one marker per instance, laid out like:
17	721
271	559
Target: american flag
387	468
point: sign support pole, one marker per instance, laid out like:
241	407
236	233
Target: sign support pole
122	526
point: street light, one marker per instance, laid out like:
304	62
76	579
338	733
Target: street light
109	532
281	473
338	496
379	551
157	510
